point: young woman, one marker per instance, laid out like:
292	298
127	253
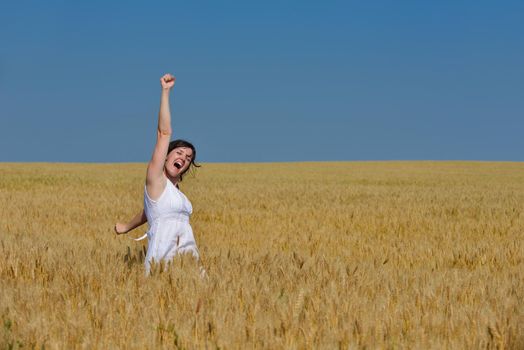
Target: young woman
166	208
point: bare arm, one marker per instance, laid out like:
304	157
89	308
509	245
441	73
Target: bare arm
155	178
137	220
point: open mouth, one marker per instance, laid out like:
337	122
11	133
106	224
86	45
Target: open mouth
178	165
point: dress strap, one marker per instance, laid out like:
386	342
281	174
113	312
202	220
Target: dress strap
140	238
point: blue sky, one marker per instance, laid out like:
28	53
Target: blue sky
265	81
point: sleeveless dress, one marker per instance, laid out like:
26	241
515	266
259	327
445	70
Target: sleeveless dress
169	231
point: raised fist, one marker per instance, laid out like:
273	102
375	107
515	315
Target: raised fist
167	81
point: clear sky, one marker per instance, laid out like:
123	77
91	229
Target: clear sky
263	81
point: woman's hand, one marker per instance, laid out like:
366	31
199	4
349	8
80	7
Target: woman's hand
167	81
121	228
138	220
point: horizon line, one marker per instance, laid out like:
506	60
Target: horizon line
282	162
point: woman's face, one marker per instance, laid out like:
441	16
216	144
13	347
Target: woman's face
178	161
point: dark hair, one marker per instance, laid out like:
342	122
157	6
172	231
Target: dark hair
183	143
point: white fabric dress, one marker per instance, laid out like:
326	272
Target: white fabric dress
169	231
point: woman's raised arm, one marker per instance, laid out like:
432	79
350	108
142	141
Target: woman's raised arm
155	178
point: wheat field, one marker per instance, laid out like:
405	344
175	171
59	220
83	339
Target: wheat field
349	255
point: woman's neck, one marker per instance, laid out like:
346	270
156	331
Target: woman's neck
174	179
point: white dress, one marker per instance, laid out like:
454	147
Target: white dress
169	231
